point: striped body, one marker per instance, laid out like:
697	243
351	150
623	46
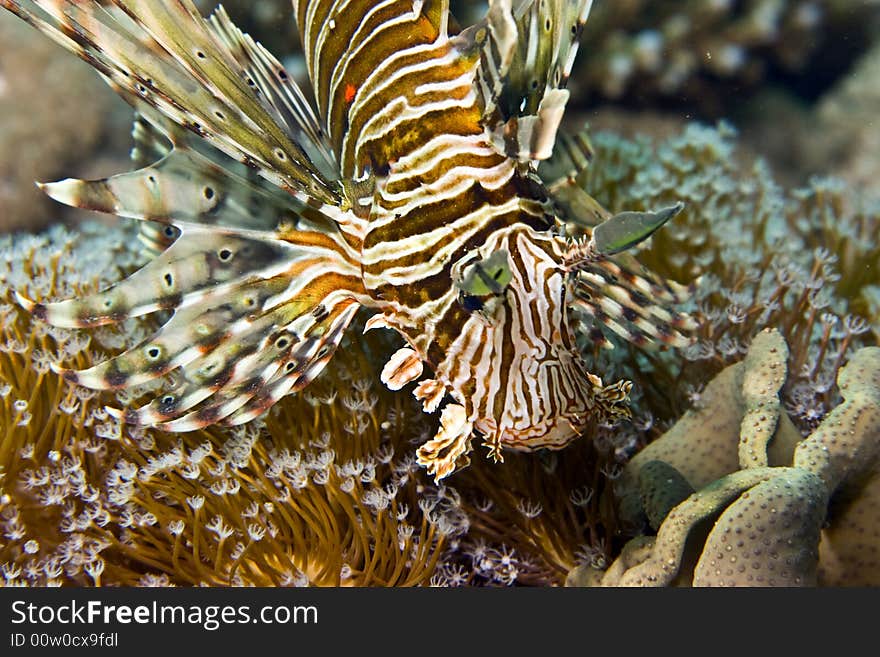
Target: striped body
444	194
414	192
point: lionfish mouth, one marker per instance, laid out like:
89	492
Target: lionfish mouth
554	433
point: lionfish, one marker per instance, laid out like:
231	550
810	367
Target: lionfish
412	189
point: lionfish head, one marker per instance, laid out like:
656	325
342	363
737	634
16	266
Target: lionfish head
516	366
514	371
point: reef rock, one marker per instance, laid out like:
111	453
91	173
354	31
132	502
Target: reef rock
54	109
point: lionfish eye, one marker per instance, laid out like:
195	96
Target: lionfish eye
487	277
470	303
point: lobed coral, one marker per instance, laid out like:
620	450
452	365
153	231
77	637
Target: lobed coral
761	518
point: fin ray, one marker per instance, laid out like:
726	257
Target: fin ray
527	53
166	55
637	307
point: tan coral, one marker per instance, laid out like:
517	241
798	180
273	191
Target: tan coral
766	522
769	536
764	372
849	437
702	445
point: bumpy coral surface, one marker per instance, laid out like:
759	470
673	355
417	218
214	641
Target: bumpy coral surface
760	524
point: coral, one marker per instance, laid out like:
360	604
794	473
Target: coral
698	446
849	552
38	140
763	524
650	52
801	261
849	437
661	487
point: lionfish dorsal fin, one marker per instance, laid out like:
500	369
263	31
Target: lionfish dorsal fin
266	75
563	175
167	56
350	45
527	51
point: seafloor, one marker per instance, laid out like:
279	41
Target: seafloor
753	457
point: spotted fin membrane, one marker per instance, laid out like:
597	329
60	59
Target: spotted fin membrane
259	278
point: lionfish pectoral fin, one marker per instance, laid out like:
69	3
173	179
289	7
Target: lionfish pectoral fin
204	263
637	307
150	143
204	76
256	315
526	53
448	450
247	373
404	366
278	90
